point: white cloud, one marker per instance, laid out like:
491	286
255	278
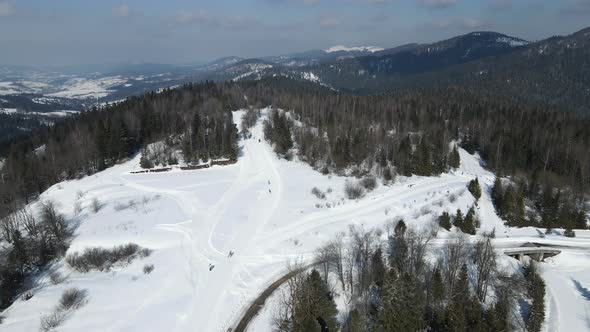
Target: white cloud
437	3
121	11
6	9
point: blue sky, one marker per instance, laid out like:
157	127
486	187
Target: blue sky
61	32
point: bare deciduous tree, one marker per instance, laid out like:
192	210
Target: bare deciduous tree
455	253
484	258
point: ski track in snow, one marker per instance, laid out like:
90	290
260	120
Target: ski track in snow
261	209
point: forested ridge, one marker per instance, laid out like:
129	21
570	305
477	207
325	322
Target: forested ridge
555	71
404	133
99	138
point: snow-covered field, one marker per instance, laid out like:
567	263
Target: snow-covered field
262	209
85	88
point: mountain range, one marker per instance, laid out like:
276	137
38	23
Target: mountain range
502	64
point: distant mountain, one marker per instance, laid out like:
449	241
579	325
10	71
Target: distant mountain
413	59
342	48
313	57
240	69
221	63
555	71
498	61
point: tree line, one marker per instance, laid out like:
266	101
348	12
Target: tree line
408	132
195	119
411	132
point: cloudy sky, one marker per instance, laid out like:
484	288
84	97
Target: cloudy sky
42	32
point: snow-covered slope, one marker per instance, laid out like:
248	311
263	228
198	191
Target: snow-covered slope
261	209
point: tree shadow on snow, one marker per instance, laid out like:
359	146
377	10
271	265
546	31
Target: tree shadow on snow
585	292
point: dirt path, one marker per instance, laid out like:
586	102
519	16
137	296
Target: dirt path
258	303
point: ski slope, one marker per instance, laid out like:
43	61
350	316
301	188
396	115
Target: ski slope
261	209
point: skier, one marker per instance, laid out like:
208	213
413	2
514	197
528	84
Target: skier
211	267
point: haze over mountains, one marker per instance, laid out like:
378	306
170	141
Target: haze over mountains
483	56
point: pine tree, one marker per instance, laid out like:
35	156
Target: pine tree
423	161
496	317
18	256
549	209
378	268
317	306
400	228
102	141
438	287
454	158
536	292
398	254
403	304
444	221
125	142
459	219
145	161
354	322
469	222
459	303
498	194
435	309
474	189
404	157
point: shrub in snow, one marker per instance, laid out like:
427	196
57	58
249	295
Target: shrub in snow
147	269
318	193
56	278
369	183
452	198
569	233
79	194
120	206
72	298
102	259
77	208
56	224
353	190
27	296
96	205
52	321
